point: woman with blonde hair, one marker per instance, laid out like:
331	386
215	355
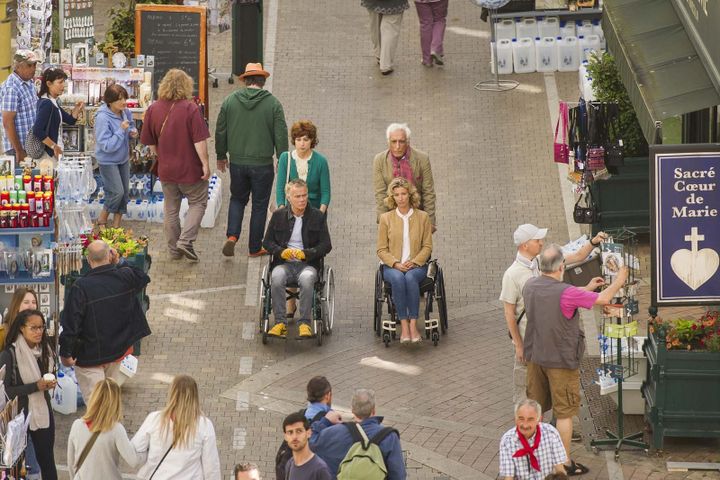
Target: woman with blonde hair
178	441
98	439
177	134
404	245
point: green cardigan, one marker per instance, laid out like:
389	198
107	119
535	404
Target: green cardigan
318	179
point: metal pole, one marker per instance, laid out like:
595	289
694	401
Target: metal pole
496	85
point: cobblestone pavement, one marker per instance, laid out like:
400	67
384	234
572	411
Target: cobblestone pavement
491	160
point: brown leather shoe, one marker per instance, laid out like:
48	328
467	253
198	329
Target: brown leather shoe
259	253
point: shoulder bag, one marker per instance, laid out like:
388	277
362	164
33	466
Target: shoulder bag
34	146
588	213
161	461
561	151
154	164
86	450
614	152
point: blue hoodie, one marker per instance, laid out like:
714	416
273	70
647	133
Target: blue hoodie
112	143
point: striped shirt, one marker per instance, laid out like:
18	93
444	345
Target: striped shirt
549	453
18	96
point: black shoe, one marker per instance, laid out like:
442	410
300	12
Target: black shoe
386	72
189	252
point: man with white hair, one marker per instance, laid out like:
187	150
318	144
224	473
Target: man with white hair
530	450
554	343
529	241
401	160
18	102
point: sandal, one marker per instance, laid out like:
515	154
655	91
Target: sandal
575	469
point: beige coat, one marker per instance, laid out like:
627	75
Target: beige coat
390	238
420	165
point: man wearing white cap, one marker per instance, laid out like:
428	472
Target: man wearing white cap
529	241
18	102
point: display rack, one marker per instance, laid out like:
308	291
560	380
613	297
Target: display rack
619	325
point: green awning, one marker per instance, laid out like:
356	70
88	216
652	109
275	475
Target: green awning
658	64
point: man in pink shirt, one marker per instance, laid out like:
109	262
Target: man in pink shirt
554	343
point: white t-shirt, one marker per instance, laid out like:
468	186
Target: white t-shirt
406	234
513	282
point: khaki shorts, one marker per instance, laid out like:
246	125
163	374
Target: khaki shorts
556	388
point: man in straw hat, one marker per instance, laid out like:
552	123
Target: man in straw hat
250	129
18	102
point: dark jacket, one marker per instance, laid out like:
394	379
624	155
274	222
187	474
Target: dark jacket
315	235
103	316
334	441
47	122
14	385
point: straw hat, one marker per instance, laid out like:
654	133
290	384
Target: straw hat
253	69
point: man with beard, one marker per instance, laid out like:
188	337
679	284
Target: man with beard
304	464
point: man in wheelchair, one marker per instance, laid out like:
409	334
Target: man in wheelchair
298	239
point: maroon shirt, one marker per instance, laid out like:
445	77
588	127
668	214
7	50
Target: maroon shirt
178	162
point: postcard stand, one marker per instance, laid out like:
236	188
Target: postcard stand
13	438
618	324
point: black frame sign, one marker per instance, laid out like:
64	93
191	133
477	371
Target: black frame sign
177	37
685	214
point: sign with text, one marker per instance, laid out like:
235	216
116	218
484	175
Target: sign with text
177	37
77	24
686	219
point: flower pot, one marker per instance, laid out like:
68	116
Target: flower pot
682	392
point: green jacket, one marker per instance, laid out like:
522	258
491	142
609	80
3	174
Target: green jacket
318	179
251	128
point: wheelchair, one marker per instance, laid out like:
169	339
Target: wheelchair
432	290
323	303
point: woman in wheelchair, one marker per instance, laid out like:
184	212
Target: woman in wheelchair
298	239
404	246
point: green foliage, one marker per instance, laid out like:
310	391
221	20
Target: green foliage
121	33
608	87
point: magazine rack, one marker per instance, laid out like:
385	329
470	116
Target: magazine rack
619	325
13	438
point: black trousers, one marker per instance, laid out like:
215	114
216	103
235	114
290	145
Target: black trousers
44	443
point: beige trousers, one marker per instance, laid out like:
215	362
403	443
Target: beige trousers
197	196
385	33
87	377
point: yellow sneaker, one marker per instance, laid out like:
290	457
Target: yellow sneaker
279	330
305	330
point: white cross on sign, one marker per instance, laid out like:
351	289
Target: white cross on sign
694	238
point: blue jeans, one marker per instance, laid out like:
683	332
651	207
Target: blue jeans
405	290
116	185
33	467
245	180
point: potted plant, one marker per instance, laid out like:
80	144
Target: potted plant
682	388
622	200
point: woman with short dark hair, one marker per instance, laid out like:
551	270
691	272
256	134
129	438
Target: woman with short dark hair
114	127
304	163
28	356
49	114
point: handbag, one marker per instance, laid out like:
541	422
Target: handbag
154	164
614	151
561	150
595	158
34	146
86	450
588	213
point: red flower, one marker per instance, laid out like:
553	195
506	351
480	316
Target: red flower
694	326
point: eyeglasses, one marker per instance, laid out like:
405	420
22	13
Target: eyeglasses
35	328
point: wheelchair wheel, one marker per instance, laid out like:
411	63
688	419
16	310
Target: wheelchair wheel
435	337
386	339
441	300
378	303
328	301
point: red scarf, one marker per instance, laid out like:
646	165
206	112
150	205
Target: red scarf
528	450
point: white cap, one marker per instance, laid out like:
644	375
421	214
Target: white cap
527	232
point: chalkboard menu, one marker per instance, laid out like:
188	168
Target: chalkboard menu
177	37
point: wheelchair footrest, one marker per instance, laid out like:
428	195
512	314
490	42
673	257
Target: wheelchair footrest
389	325
432	323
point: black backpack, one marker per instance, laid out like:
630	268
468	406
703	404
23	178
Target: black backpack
284	453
